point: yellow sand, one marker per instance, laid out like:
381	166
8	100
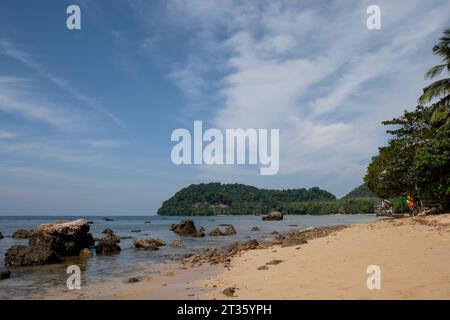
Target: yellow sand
412	253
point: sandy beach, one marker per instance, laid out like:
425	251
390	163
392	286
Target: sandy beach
413	254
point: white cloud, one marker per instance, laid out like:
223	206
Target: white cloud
318	74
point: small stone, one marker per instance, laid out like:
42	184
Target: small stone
133	280
229	292
176	244
289	242
5	274
85	253
263	268
274	262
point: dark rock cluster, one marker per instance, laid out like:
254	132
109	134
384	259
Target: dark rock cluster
49	242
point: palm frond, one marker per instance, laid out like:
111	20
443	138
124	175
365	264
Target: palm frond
436	89
435	71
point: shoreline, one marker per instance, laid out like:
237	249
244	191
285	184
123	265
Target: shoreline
315	263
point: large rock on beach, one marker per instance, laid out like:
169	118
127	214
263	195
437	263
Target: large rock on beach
22	234
273	216
66	239
49	242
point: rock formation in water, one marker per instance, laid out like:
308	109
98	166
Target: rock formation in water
49	242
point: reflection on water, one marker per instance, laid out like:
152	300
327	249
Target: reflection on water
29	282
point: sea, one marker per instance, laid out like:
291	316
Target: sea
29	282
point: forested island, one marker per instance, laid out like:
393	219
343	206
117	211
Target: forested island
415	162
239	199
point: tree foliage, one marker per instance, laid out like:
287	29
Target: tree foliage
239	199
417	157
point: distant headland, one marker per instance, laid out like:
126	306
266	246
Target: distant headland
238	199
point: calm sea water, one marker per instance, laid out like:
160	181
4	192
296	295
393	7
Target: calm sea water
29	282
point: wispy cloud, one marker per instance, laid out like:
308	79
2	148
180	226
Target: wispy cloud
106	144
316	73
9	49
14	98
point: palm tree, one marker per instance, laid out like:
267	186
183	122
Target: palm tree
440	88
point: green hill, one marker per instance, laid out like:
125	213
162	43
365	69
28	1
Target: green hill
239	199
362	191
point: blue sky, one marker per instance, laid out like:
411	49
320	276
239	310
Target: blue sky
86	115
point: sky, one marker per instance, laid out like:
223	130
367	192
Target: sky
86	115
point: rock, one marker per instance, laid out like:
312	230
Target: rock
431	211
4	274
149	244
90	222
290	242
1	236
133	280
292	225
108	231
49	242
274	262
105	248
216	233
107	244
22	234
187	228
273	216
242	246
108	219
255	229
229	230
125	237
275	232
176	244
108	238
263	268
229	292
19	255
66	239
136	230
147	222
85	253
